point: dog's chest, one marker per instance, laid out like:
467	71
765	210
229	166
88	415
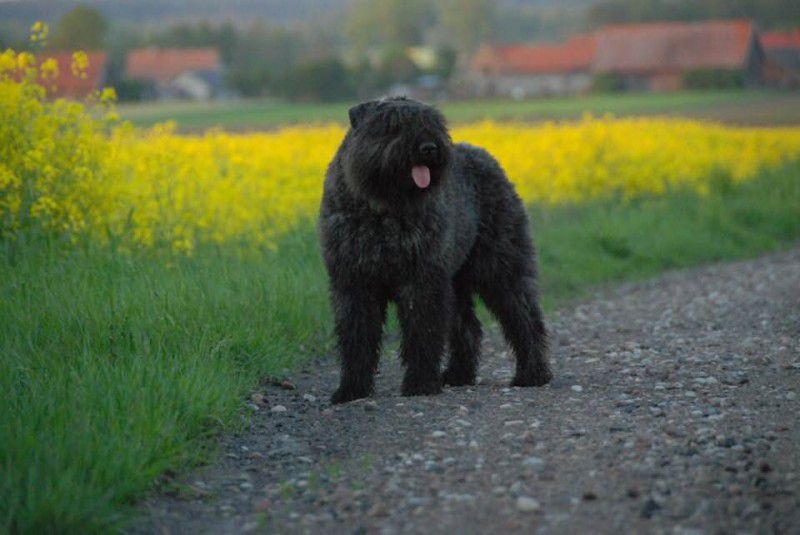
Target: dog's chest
394	249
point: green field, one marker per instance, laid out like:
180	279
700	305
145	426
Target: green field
737	107
116	368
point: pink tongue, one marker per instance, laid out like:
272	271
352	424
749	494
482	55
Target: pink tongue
421	175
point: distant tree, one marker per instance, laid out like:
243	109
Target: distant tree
446	58
389	23
201	34
769	13
263	56
81	28
326	79
467	23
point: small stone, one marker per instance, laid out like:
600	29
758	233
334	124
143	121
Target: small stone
378	510
527	504
576	388
791	396
310	398
370	406
510	423
499	491
438	434
534	462
516	488
649	508
259	399
726	442
278	409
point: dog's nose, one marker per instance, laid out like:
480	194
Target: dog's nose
428	148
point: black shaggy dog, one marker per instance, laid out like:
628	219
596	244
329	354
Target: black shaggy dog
408	216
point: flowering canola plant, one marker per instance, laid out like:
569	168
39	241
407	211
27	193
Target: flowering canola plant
67	168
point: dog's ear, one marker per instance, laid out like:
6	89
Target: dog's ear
359	112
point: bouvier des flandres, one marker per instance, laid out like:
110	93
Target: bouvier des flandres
408	216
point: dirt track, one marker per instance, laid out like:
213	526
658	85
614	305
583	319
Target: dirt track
675	409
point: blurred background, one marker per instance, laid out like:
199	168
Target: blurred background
152	276
252	63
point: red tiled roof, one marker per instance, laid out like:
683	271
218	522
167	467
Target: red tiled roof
574	55
673	46
164	64
67	84
781	40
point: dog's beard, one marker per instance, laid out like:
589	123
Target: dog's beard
388	173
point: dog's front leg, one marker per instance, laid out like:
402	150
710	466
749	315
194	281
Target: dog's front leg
359	313
423	309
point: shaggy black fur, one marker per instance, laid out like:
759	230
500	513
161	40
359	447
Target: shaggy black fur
429	249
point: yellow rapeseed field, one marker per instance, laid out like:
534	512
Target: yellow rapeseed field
62	167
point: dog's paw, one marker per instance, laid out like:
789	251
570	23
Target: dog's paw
455	377
533	377
343	395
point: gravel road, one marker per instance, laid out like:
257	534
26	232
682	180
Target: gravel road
675	409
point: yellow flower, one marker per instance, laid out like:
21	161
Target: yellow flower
80	62
8	62
81	174
48	69
25	60
108	95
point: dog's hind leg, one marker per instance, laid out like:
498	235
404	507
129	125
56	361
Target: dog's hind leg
515	306
360	314
465	338
423	310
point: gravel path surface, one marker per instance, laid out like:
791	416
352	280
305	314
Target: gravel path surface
675	409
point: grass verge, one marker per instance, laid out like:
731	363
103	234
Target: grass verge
117	368
740	107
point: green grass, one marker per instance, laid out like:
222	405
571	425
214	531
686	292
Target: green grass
117	368
751	107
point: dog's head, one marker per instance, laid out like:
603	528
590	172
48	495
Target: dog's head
397	149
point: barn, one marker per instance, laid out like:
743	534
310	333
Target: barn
667	56
521	71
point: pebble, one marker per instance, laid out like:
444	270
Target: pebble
534	462
311	398
576	388
649	508
278	408
438	434
527	504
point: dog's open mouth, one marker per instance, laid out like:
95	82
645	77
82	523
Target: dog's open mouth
421	175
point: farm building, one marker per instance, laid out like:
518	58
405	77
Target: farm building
533	70
667	56
782	65
663	56
177	73
76	85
